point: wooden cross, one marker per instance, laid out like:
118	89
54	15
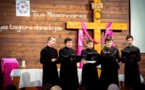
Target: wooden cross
97	25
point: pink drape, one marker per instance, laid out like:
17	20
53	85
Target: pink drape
85	31
107	32
7	65
80	45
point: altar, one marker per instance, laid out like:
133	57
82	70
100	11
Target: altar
32	78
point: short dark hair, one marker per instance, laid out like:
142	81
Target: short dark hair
89	41
67	39
11	87
49	38
108	38
46	86
106	48
129	36
55	87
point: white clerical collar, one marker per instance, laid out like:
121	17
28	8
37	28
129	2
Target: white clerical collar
130	46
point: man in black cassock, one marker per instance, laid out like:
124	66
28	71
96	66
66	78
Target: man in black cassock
115	53
48	58
68	69
89	74
108	67
132	73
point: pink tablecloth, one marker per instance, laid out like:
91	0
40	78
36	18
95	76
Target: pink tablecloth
8	64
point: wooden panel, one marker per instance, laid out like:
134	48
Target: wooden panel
115	20
58	45
17	37
26	45
35	32
41	19
113	16
117	3
11	10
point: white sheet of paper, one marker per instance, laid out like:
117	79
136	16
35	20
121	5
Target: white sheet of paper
91	61
99	66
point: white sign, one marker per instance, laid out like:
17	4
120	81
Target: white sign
22	8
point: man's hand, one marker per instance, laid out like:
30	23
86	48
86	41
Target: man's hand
72	58
84	61
53	59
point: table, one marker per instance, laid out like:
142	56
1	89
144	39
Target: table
33	77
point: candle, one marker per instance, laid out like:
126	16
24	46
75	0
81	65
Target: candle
77	64
23	63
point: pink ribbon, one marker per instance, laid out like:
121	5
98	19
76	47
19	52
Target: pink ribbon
107	32
80	38
87	34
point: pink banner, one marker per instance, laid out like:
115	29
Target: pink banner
7	65
80	42
80	45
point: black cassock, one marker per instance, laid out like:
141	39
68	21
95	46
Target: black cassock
108	70
132	74
68	71
50	73
89	73
115	53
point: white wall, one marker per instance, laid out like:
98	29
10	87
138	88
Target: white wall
137	9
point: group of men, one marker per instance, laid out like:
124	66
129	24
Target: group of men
109	59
